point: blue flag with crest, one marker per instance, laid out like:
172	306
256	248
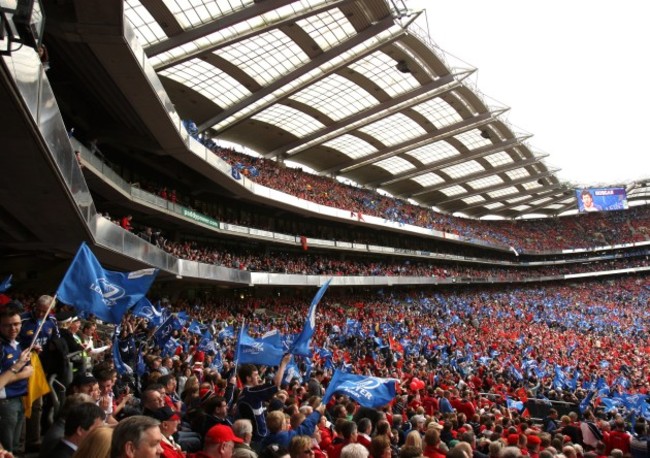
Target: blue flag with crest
104	293
301	342
367	391
145	309
120	366
266	350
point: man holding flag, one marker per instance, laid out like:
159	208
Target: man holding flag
14	371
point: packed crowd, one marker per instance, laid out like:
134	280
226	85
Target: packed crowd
274	260
463	359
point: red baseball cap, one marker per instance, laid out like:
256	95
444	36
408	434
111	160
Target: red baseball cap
221	433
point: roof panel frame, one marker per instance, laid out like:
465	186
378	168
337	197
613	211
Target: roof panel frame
251	33
485	173
206	29
315	63
551	202
551	191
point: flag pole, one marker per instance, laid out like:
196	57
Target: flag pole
40	326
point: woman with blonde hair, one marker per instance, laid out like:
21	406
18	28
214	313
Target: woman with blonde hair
97	444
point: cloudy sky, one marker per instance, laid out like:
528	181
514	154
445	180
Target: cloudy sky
576	74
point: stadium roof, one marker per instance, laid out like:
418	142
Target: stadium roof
348	88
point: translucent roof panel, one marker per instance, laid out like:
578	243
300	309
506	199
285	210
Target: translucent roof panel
500	158
209	81
265	57
555	206
349	99
517	199
289	119
380	69
485	182
463	169
328	28
428	179
395	165
453	190
353	147
503	192
192	13
473	200
434	152
472	139
494	205
146	28
521	208
541	201
518	173
394	129
439	112
531	185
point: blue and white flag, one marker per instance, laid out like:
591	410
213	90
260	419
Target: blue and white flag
301	343
266	350
6	284
217	361
367	391
170	347
195	328
120	366
164	331
292	372
226	333
207	343
584	404
512	404
104	293
146	309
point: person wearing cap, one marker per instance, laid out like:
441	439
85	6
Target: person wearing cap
533	445
219	443
169	421
69	332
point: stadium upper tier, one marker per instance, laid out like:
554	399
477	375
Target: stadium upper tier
350	89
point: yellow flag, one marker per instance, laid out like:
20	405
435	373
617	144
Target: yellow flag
37	385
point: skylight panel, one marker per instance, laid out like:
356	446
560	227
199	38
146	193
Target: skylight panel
518	173
428	179
328	28
494	205
503	192
439	112
531	185
395	165
500	158
351	146
265	57
380	69
453	191
473	200
350	98
463	169
190	14
208	81
434	152
394	129
485	182
146	28
289	119
472	139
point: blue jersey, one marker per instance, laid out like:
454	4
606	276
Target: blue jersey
29	327
9	354
251	405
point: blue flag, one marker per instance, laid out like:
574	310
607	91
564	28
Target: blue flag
146	309
226	333
104	293
182	317
367	391
266	350
512	404
120	366
217	361
170	347
292	372
140	367
6	284
584	404
301	343
164	331
195	328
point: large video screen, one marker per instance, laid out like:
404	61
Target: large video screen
601	199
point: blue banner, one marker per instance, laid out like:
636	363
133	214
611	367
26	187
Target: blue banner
146	309
266	350
367	391
6	284
104	293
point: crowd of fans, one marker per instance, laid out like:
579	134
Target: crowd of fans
460	356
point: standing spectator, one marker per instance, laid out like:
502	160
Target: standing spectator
13	360
619	438
126	223
81	420
254	394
